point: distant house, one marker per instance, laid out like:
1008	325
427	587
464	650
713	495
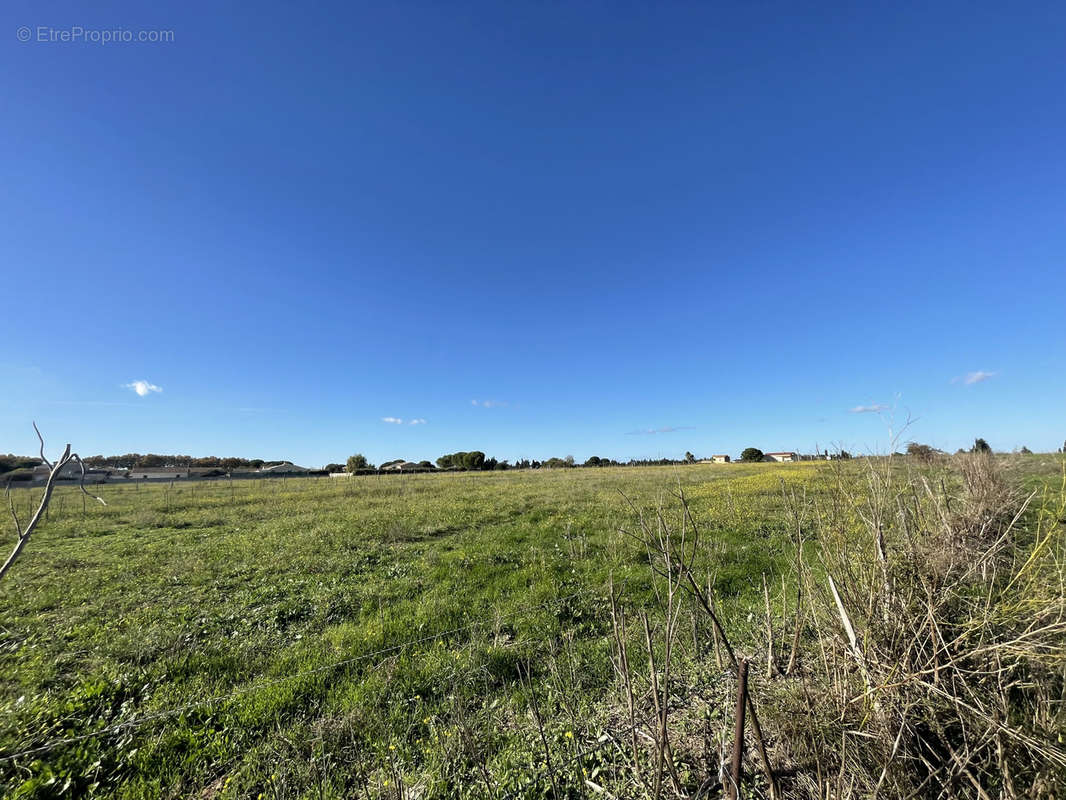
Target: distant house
782	456
158	473
720	459
285	468
72	472
399	466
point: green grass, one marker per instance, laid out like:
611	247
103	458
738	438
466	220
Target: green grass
236	601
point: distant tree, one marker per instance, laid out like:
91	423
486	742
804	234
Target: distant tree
426	465
502	465
689	458
230	464
569	461
980	446
489	464
11	462
593	461
357	462
752	454
150	461
333	468
922	452
1025	451
844	454
475	459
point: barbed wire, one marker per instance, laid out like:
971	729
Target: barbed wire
171	712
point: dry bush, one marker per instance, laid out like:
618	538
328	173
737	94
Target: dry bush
921	650
935	646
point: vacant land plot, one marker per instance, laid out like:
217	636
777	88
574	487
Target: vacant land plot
402	636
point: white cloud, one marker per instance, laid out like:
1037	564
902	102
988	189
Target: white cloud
143	388
489	403
976	377
418	421
873	408
392	420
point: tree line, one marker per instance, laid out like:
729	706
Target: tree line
477	461
472	460
11	462
135	461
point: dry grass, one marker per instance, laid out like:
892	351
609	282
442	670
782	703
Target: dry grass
921	648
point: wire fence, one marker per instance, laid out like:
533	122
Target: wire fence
261	685
556	769
552	770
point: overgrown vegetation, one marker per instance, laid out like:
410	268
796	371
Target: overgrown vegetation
924	653
542	634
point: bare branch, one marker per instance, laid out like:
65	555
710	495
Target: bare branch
11	505
81	484
25	534
40	438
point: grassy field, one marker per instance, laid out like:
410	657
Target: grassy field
399	636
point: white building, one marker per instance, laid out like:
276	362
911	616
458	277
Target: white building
782	456
158	473
399	466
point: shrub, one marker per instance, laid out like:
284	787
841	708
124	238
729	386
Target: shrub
358	462
922	452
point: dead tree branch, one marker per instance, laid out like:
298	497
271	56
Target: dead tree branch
56	469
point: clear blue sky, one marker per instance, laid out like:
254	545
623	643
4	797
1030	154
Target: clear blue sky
598	220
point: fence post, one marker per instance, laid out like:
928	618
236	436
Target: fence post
736	768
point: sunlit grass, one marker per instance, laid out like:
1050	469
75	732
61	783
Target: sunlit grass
435	592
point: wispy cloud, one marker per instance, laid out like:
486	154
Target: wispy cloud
418	421
489	403
666	429
970	378
88	403
392	420
142	388
873	408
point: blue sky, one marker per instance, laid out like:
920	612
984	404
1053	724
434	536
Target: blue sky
623	229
